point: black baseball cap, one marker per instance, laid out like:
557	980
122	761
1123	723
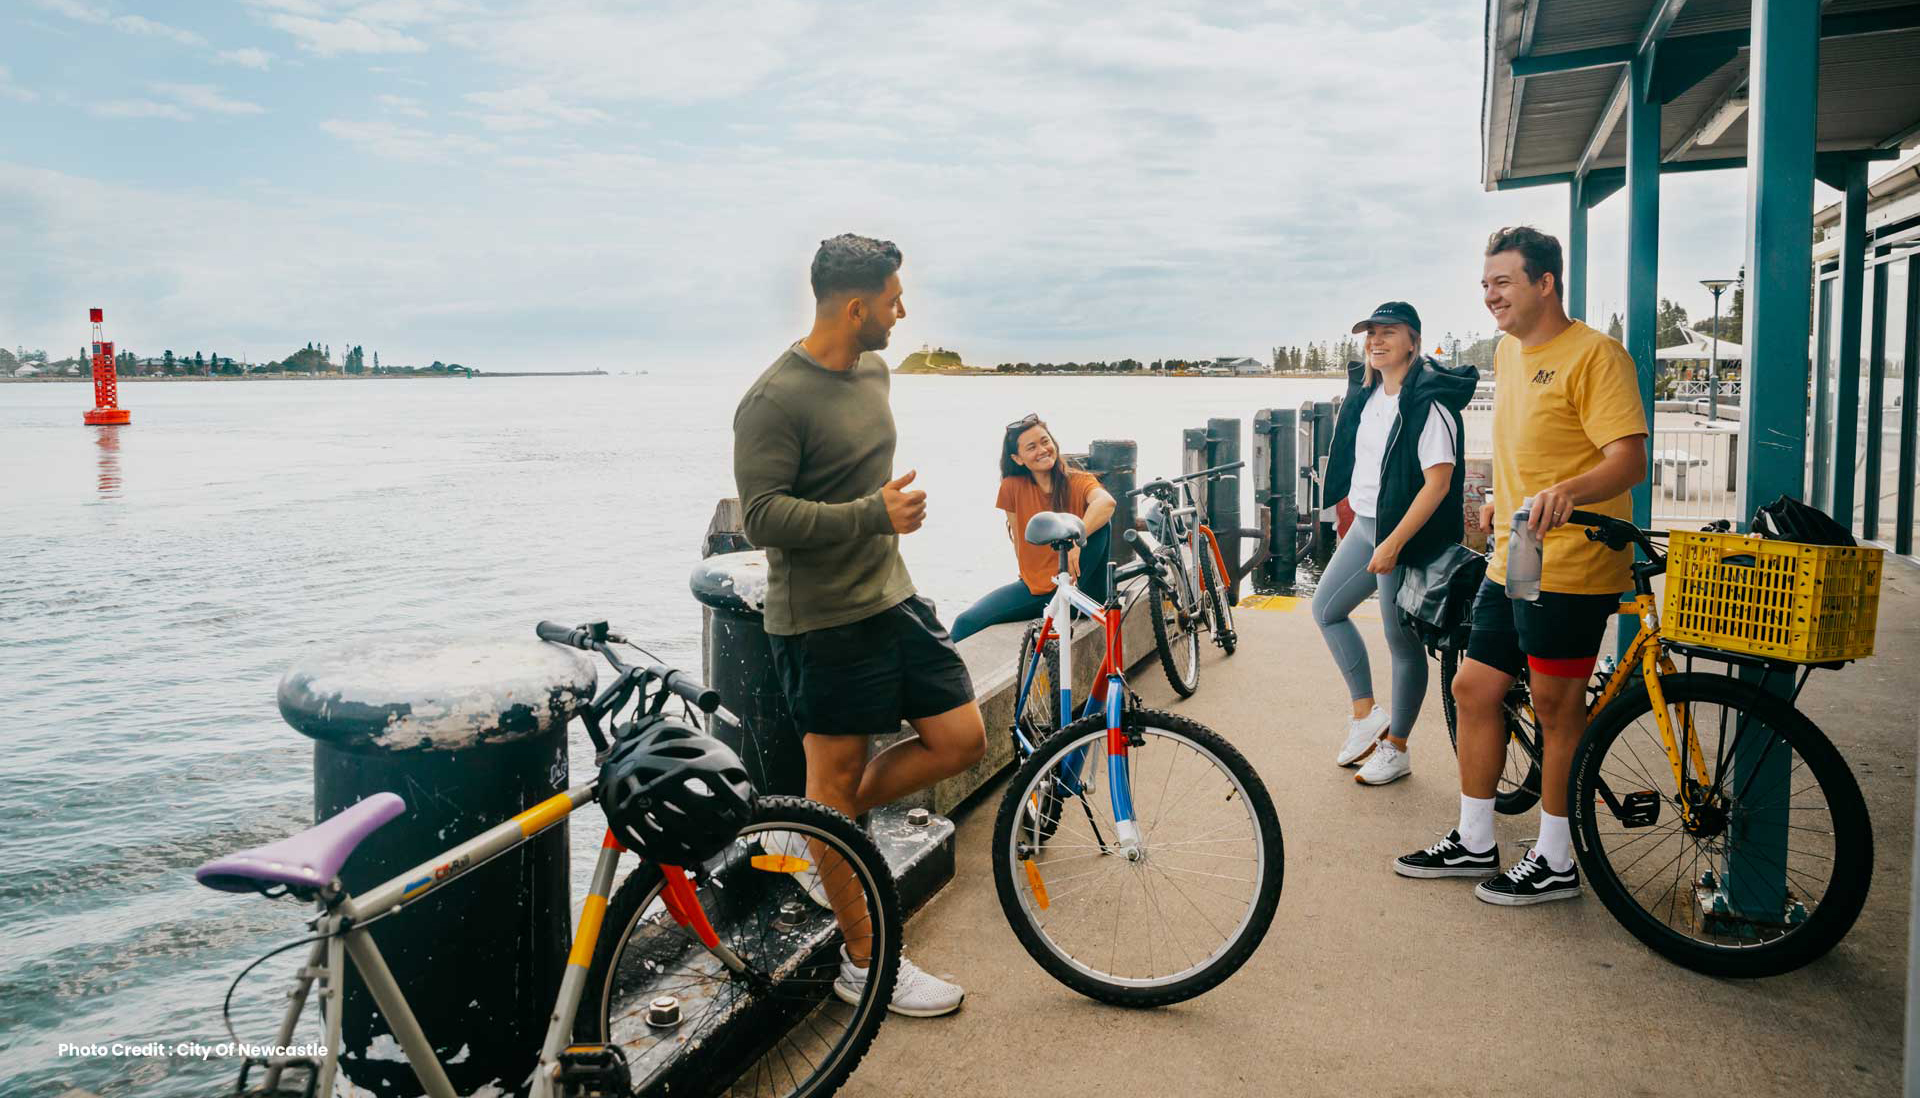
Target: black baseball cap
1391	312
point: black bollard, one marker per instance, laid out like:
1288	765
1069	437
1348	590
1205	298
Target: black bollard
1113	460
1223	498
738	663
469	735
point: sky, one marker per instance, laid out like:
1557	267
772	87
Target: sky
556	184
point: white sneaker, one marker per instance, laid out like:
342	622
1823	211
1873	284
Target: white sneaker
792	844
916	993
1387	764
1362	733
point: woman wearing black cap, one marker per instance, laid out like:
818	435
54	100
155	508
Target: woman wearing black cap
1397	462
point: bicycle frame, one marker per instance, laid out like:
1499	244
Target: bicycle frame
1109	690
346	939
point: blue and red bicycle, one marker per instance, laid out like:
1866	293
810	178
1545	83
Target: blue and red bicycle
1136	854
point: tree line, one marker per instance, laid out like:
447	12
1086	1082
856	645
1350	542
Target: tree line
314	358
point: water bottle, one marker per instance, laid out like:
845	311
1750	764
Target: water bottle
1523	556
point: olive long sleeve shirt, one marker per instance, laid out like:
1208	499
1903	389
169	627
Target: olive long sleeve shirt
812	448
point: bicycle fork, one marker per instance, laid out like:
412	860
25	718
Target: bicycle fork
1128	840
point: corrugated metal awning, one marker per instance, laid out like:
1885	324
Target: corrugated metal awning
1536	122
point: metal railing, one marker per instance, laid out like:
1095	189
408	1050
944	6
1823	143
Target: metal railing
1694	470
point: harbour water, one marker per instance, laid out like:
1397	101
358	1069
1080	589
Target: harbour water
158	578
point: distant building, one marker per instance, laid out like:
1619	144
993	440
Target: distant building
1241	366
27	371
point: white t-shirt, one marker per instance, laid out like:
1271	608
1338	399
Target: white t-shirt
1370	448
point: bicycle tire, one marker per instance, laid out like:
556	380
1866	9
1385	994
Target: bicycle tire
1174	585
633	907
1010	871
1519	786
1038	729
1833	913
1219	610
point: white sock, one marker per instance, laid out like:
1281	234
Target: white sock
1476	823
1555	843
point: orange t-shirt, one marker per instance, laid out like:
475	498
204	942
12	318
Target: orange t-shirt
1023	499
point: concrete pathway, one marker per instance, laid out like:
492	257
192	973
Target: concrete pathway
1370	984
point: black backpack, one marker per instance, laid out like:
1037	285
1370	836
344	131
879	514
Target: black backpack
1787	519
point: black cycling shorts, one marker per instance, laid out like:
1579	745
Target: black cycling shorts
865	677
1556	635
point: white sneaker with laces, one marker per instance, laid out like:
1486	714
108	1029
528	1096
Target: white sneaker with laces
1387	764
792	844
916	993
1362	734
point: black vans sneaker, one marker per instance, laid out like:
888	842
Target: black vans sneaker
1531	881
1447	858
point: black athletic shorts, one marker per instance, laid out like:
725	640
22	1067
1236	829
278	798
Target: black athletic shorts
1557	635
865	677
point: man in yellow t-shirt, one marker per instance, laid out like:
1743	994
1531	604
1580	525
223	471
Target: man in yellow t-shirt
1569	430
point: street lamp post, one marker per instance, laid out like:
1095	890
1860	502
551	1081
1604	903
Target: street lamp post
1717	286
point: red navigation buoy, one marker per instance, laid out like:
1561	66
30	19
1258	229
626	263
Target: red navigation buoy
106	380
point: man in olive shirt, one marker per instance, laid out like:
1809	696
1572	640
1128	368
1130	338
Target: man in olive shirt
857	650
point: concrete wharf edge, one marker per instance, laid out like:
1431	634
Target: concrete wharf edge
1372	984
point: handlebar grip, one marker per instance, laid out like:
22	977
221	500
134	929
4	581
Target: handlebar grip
1590	518
703	697
562	634
1144	540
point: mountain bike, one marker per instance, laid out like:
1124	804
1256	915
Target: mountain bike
1163	887
1189	589
663	971
1714	820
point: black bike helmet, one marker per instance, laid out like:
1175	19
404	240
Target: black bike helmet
673	794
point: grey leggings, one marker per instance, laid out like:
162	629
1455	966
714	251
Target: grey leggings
1345	585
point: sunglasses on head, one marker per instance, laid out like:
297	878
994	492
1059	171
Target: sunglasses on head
1031	419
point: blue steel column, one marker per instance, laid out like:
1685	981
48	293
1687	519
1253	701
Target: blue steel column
1784	77
1819	471
1643	268
1876	396
1853	269
1576	266
1643	251
1909	420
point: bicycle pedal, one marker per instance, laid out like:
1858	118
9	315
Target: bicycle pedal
593	1071
1640	809
283	1089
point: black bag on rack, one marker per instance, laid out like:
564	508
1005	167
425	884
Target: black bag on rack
1788	519
1436	599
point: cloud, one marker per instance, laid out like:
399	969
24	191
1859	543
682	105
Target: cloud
529	108
247	58
205	97
329	37
127	24
13	91
403	105
138	108
398	142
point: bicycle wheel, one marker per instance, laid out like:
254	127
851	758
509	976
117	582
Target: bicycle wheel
1770	867
1519	786
1038	720
1219	611
1174	611
1182	915
786	1031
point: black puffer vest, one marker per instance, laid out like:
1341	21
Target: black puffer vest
1429	383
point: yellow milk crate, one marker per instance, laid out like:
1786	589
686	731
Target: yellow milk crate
1779	599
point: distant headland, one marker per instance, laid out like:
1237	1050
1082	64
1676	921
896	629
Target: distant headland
939	361
314	361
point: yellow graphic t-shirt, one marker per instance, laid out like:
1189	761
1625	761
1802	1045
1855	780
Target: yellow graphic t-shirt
1554	407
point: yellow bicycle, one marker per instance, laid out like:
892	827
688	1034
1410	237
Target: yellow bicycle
1716	822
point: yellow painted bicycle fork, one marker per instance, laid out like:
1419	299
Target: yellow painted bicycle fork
1653	662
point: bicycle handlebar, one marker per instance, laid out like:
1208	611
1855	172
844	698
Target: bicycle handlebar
1160	483
594	637
1616	533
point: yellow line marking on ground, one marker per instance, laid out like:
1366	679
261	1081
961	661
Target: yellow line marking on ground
1289	604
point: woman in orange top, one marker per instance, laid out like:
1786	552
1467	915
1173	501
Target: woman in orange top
1034	477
